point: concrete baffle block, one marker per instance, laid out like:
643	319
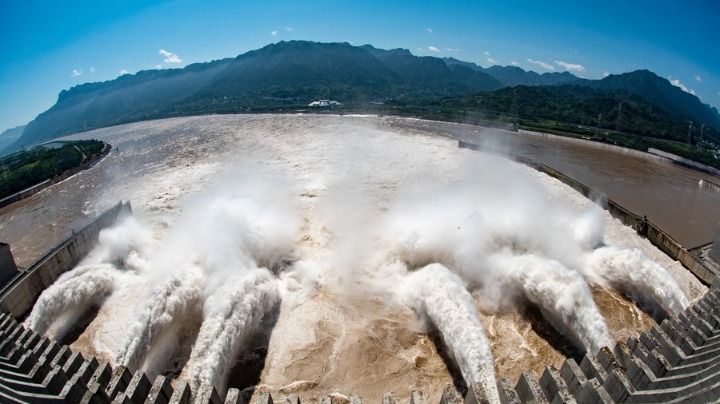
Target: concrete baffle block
529	390
592	368
118	382
138	388
450	396
233	397
573	376
553	386
264	398
207	394
618	386
475	394
355	399
181	395
160	392
417	397
389	398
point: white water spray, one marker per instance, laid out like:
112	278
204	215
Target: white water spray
437	292
562	294
231	315
78	289
644	280
170	302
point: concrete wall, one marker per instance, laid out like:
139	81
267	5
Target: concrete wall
715	249
8	269
19	297
654	234
686	162
677	361
596	144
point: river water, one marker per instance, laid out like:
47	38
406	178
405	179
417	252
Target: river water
338	327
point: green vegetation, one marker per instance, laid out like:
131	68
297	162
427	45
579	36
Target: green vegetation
24	169
608	116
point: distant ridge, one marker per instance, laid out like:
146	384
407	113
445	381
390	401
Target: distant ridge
660	92
297	72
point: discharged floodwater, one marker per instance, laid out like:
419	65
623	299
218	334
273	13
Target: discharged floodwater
358	204
667	193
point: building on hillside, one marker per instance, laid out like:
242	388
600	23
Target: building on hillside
324	103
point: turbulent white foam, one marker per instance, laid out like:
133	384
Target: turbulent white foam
440	294
561	293
79	288
169	302
230	316
632	272
491	222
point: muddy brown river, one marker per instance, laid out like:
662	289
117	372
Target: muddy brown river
340	325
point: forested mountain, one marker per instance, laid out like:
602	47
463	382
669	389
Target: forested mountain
291	74
10	135
511	76
660	92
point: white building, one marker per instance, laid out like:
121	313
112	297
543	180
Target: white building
324	103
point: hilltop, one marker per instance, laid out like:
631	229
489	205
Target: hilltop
289	75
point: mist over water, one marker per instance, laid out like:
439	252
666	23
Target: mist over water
332	216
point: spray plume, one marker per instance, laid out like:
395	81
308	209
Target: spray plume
223	234
647	282
441	295
165	304
78	289
562	294
230	316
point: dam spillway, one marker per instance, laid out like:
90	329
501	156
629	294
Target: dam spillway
678	361
362	336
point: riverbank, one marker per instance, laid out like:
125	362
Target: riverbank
58	178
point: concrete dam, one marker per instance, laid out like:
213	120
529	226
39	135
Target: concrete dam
676	361
322	268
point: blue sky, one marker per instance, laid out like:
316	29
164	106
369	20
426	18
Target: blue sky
48	45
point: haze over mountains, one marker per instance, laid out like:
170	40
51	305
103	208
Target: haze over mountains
297	72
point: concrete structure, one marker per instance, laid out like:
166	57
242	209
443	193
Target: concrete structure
324	103
8	269
715	249
62	177
677	361
18	297
654	234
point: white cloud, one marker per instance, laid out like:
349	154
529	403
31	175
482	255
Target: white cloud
123	71
570	66
429	30
273	33
682	86
491	60
541	64
451	49
288	29
486	53
433	49
514	63
92	69
158	66
606	73
698	78
170	57
76	73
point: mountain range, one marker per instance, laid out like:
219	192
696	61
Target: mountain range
294	73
